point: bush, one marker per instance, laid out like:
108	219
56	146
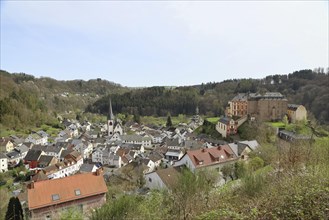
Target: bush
255	163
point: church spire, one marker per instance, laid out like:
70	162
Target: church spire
111	115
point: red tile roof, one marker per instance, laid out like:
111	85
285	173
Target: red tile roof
211	156
40	193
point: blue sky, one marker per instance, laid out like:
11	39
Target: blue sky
148	43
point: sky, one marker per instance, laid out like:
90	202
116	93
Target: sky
163	43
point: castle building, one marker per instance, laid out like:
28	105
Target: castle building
238	106
271	106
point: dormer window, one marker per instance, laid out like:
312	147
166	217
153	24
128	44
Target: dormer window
55	197
77	192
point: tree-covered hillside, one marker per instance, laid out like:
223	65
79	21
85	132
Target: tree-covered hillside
26	101
29	101
306	87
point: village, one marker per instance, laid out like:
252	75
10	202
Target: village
76	167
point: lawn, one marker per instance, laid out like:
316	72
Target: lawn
163	120
278	124
213	120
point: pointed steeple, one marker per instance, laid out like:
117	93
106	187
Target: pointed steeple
110	115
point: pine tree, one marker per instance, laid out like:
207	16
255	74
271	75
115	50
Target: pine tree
14	210
169	123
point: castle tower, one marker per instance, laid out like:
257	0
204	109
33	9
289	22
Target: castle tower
110	120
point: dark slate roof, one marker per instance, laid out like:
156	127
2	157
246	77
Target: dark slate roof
33	155
86	167
293	107
132	146
267	95
65	152
13	154
45	159
292	135
172	142
225	120
170	176
39	176
240	97
49	148
3	156
62	144
155	157
22	148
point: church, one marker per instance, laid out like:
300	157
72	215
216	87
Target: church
113	125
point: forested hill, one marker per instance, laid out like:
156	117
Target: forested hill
306	87
29	101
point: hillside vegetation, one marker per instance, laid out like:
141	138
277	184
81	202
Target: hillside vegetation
306	87
280	181
26	101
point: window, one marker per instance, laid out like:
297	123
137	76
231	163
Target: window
55	197
48	217
77	192
150	180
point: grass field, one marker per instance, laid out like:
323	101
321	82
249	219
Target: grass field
278	124
163	120
213	119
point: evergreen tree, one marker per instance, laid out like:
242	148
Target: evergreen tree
169	123
14	210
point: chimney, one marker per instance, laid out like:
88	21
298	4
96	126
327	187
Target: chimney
219	147
99	171
203	150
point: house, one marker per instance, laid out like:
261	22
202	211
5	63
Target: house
32	158
85	148
296	113
164	178
192	144
46	199
213	158
6	145
63	136
45	161
106	155
71	164
227	126
64	154
136	139
87	168
37	138
173	154
149	163
50	150
3	163
243	148
138	148
156	158
126	155
43	134
18	154
73	130
16	140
